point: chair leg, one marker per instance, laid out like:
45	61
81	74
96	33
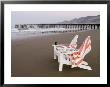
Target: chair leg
55	52
72	66
85	67
84	63
60	67
55	56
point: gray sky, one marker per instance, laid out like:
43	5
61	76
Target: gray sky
36	17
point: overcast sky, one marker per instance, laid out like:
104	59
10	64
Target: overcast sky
36	17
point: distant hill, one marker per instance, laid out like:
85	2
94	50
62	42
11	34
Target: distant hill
83	20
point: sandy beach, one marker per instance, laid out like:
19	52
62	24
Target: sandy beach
33	56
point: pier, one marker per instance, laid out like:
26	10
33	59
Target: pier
67	27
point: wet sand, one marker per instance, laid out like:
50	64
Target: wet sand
33	57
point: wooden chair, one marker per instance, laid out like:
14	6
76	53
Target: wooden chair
70	55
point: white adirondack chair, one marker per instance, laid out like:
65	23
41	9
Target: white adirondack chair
69	55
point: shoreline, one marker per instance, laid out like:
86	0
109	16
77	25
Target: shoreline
24	35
